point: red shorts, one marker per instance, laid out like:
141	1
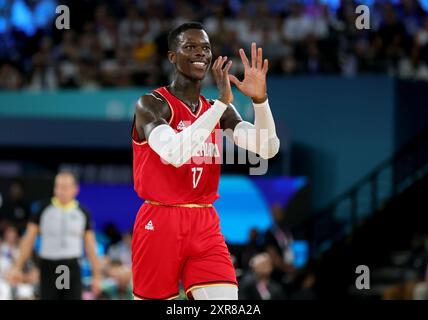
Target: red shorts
178	243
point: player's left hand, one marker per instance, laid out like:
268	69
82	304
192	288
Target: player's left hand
254	83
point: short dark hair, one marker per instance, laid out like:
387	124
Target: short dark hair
68	172
173	35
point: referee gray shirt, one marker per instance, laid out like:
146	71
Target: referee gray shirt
62	229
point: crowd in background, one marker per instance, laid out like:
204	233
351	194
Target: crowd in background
265	265
124	43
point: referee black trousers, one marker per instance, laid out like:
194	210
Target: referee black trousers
60	279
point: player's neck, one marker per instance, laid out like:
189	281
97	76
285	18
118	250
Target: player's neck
186	89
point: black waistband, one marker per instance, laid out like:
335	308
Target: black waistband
59	261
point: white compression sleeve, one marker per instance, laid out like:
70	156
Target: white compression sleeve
177	148
259	137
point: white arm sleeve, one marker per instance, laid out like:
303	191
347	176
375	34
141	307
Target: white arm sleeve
259	137
177	148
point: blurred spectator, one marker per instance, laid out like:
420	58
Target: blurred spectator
43	75
420	46
418	264
314	9
132	27
118	284
5	290
258	285
278	244
112	233
391	41
274	46
124	43
420	292
15	209
10	77
121	251
9	249
252	248
413	68
313	63
410	13
8	252
298	25
305	283
414	283
321	20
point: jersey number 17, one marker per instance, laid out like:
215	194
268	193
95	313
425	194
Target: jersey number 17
197	173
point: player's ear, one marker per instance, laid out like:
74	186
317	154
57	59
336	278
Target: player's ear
172	57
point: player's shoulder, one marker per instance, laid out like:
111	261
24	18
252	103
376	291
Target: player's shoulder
150	99
151	102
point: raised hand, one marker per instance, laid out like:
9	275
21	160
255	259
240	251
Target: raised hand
221	76
254	83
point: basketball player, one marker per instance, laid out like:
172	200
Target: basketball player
176	142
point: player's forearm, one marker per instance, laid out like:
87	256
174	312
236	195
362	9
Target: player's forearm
261	136
177	148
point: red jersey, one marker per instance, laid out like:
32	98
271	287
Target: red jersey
197	180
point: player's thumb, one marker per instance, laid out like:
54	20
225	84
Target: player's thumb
234	80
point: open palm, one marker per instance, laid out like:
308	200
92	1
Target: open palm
254	83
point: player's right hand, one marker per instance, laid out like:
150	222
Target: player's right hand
14	276
254	83
221	76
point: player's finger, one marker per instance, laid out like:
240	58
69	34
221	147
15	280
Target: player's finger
215	64
215	69
227	68
265	66
253	55
221	63
244	58
259	58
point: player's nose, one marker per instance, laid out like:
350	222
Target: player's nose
200	52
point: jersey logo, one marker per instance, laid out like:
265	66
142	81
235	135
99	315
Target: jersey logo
181	126
149	226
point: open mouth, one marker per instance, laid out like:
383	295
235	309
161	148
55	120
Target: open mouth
199	64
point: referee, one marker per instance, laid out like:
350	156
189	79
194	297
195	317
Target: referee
65	228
